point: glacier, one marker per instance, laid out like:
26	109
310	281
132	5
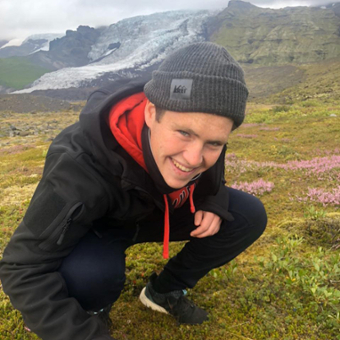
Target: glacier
144	41
40	47
46	36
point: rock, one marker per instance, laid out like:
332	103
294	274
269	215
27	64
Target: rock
24	133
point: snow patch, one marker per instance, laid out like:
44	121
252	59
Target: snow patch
13	42
144	41
40	47
46	36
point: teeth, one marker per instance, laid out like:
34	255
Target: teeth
181	167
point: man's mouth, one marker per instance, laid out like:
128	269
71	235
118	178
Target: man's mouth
181	167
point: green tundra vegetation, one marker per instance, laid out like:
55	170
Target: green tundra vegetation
266	36
287	285
17	72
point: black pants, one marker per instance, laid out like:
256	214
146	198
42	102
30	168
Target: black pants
95	270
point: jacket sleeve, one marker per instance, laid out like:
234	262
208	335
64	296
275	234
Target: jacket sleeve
218	204
60	213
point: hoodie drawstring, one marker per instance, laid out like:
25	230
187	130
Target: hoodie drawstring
167	220
166	229
191	198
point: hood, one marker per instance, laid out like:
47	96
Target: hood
94	122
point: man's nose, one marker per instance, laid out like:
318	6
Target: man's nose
194	155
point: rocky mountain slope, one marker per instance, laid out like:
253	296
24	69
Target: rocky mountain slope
270	37
129	48
3	42
258	37
71	50
32	44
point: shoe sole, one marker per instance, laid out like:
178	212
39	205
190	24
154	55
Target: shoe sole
148	303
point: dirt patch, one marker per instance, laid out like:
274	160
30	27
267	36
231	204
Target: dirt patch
16	195
27	103
20	130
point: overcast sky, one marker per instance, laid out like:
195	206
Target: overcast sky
21	18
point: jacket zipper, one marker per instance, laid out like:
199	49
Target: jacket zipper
57	236
65	229
68	222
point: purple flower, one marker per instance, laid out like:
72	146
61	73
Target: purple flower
255	188
269	129
325	197
246	136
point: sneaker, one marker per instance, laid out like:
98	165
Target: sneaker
174	303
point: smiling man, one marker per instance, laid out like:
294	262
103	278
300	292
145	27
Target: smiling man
182	145
145	163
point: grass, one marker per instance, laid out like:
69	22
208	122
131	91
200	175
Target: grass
285	287
16	72
318	86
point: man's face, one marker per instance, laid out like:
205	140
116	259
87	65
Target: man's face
185	144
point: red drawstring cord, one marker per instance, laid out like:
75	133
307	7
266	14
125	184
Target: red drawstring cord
191	198
166	229
167	223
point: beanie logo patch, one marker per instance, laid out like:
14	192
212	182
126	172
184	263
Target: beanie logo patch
181	89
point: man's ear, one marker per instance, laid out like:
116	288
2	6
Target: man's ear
149	113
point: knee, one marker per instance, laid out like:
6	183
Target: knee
259	217
250	209
255	214
92	279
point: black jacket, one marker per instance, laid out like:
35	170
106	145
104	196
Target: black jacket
88	176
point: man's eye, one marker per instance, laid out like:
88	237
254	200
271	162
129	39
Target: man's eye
219	144
215	144
183	133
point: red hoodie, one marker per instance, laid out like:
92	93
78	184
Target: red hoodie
126	122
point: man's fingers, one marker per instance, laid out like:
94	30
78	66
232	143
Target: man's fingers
198	217
204	231
199	230
206	234
208	226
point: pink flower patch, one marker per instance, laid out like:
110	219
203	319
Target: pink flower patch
255	188
325	197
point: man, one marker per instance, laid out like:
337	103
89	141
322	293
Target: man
144	163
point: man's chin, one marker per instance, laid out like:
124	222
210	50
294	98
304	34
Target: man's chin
178	184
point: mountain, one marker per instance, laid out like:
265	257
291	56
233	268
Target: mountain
32	44
335	6
3	42
264	41
71	50
270	37
129	48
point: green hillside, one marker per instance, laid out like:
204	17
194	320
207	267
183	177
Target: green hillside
17	72
271	37
288	84
320	82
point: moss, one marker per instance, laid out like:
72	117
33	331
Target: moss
253	297
321	231
16	72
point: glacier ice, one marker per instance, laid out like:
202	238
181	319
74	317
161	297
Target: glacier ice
144	41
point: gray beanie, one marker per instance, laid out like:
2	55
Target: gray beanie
201	77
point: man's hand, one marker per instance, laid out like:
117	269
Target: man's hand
207	223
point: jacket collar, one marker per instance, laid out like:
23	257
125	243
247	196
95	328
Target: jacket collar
110	155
